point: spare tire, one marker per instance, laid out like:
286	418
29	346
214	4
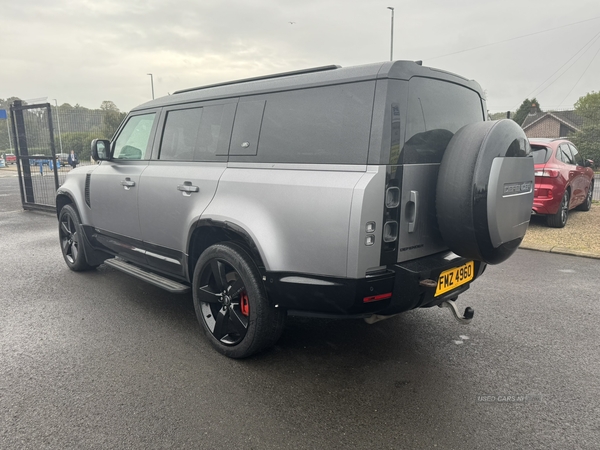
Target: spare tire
485	190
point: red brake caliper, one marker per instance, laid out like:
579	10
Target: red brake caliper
244	306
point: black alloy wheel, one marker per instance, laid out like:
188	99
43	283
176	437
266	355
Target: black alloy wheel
231	302
559	220
224	302
70	236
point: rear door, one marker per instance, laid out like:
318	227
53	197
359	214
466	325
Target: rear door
189	157
582	181
573	177
436	110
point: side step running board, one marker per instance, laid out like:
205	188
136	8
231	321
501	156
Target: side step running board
161	282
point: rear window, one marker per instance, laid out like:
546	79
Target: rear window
325	125
436	110
540	154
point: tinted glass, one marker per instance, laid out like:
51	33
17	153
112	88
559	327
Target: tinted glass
436	110
576	155
214	133
246	128
197	134
540	154
132	142
180	134
565	154
327	125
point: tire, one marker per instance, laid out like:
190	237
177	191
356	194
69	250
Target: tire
231	302
587	203
70	234
559	220
485	190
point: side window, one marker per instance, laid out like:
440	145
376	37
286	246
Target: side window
215	133
180	134
248	118
326	125
132	142
565	154
576	155
197	134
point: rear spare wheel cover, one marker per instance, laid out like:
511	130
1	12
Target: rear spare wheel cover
485	190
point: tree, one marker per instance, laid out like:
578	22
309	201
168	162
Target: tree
107	105
79	142
588	106
524	110
111	119
587	139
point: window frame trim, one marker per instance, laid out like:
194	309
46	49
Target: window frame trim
155	154
151	137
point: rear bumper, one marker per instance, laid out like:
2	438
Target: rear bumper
547	198
410	285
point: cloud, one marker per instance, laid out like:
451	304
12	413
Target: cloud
81	51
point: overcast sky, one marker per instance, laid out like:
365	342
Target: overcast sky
87	51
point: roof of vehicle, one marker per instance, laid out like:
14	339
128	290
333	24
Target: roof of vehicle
319	76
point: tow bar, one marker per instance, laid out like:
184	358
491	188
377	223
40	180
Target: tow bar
462	318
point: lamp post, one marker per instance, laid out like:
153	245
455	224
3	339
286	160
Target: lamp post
152	84
392	37
58	120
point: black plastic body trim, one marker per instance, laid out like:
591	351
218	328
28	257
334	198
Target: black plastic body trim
333	297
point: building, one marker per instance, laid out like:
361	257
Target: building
551	124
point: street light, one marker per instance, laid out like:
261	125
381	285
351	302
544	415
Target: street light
392	38
58	119
152	84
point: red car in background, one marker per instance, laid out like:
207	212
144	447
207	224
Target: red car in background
563	180
10	158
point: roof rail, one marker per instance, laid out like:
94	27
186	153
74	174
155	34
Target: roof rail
265	77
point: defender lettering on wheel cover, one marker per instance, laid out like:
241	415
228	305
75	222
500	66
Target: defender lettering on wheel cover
355	192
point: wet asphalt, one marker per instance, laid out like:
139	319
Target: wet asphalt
102	360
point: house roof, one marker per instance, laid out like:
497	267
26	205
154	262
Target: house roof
570	118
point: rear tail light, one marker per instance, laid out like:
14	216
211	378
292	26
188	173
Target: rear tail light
376	298
550	173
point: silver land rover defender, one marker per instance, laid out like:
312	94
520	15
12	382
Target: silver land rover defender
331	192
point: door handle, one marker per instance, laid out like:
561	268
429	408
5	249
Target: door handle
411	210
127	183
187	188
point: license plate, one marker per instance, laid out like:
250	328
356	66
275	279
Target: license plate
450	279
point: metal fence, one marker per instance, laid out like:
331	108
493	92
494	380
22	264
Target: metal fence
45	136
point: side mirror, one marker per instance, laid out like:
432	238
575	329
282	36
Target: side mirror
101	149
588	163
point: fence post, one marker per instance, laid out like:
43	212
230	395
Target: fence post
22	152
52	146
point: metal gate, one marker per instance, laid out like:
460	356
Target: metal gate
37	163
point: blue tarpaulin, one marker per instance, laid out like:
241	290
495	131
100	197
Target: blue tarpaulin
2	114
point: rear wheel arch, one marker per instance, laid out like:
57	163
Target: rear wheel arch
207	232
